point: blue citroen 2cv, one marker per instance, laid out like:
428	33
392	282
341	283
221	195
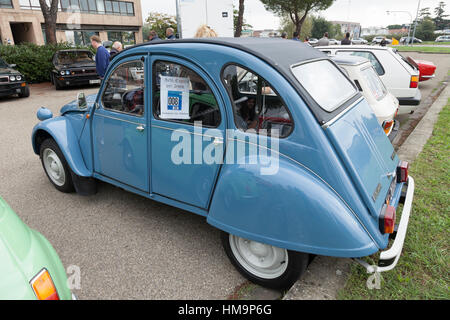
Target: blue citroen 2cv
268	139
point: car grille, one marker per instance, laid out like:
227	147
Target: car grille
84	71
4	79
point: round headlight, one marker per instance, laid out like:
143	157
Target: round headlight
63	73
12	78
18	78
67	72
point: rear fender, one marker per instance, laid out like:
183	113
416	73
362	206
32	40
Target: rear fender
292	209
60	130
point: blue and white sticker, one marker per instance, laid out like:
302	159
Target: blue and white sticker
174	98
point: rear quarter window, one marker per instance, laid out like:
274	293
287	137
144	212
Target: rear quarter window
326	84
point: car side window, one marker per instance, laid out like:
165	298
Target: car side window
368	55
182	95
256	105
125	89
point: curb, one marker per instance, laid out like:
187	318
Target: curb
413	145
326	275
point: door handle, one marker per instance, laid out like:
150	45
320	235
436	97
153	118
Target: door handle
140	128
217	141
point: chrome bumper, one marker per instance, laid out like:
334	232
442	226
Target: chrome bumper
389	258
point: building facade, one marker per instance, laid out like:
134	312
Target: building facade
77	20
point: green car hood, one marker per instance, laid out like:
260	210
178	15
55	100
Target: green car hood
23	254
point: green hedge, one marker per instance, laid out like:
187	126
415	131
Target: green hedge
33	61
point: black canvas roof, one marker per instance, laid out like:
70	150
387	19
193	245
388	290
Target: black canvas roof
280	53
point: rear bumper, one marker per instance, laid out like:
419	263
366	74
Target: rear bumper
394	130
389	258
413	101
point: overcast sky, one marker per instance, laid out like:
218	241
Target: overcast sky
367	12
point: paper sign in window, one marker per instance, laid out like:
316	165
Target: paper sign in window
174	98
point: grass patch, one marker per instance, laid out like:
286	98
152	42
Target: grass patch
423	49
423	271
436	43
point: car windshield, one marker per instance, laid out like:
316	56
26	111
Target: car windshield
70	57
3	64
325	83
374	83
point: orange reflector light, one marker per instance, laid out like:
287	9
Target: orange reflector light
387	219
414	82
23	84
43	286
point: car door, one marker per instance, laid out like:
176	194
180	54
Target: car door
187	132
120	133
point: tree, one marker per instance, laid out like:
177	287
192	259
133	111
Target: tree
439	20
319	27
425	30
50	15
240	19
296	10
160	22
244	26
424	13
286	25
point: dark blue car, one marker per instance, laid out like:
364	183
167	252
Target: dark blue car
267	139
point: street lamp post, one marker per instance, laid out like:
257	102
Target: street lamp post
411	19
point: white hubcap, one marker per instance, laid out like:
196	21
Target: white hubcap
262	260
54	167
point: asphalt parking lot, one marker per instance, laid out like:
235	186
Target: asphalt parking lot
126	246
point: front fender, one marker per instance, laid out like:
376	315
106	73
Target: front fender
61	131
291	209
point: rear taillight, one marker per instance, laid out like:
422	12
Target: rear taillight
402	171
387	125
387	219
414	82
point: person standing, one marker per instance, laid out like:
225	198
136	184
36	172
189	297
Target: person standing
284	35
153	36
346	40
101	57
116	49
295	36
170	34
324	41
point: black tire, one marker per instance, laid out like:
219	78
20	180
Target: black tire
25	92
297	264
56	83
67	186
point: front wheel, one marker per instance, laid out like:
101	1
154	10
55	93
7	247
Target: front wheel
55	166
263	264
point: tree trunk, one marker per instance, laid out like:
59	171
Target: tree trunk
240	21
50	15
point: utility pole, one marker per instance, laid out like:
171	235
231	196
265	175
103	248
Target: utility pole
180	35
415	23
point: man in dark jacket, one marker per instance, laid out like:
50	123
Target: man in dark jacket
101	57
153	36
116	48
170	34
346	40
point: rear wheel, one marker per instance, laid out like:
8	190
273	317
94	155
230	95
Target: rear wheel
263	264
55	166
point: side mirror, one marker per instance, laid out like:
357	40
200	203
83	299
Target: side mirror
82	104
13	65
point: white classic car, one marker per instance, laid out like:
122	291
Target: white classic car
399	76
382	102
